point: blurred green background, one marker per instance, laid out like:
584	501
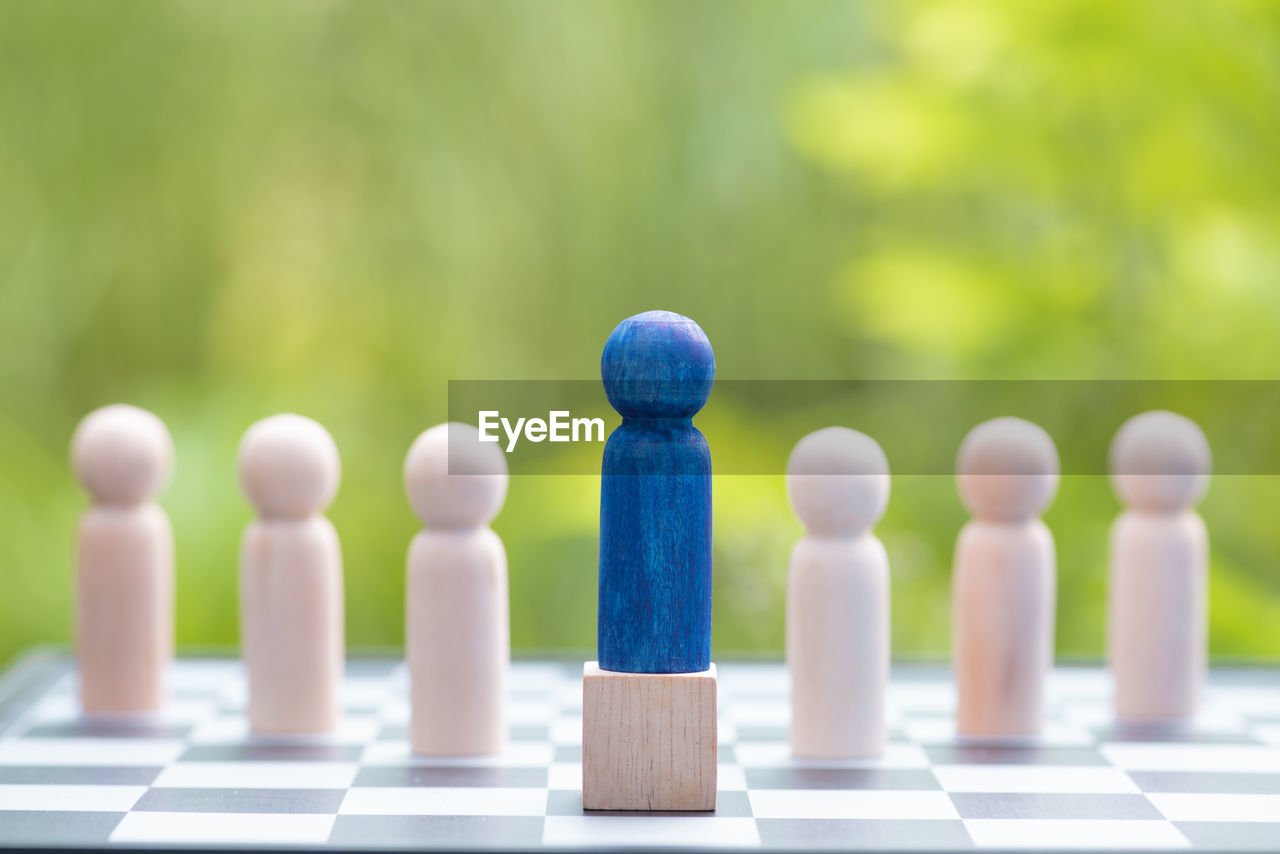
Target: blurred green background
222	210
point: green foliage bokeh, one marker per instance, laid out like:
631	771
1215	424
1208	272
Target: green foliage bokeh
222	210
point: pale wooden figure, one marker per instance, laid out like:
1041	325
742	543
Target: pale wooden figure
457	631
124	564
838	597
1005	580
291	607
1160	466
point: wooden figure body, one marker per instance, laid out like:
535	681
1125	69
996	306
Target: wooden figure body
291	605
649	704
1005	580
1160	466
838	597
457	629
655	499
124	581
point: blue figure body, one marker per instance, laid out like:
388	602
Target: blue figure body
655	499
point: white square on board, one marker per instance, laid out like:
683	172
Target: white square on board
49	798
462	800
851	804
776	754
605	831
177	828
1218	807
257	775
517	754
130	752
1049	779
1155	756
565	776
1111	834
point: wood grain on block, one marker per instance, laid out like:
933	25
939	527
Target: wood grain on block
457	630
1004	585
838	597
1157	647
648	740
124	561
291	590
655	499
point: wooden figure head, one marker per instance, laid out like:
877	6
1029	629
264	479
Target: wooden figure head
1160	462
453	479
122	455
658	364
289	467
838	482
1007	470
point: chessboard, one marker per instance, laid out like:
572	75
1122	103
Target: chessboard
193	776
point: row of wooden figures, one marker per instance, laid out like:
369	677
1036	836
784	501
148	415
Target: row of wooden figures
1003	586
457	640
291	583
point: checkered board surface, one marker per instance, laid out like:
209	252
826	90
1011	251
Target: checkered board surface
193	775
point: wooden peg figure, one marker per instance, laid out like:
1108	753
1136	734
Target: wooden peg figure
1160	465
1005	580
123	456
838	597
458	636
291	607
655	499
649	703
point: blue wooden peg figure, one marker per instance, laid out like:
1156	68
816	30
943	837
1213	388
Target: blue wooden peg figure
655	499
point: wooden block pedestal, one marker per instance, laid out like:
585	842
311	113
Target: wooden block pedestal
648	740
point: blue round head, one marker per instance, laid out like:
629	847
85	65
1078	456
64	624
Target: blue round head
657	365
